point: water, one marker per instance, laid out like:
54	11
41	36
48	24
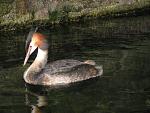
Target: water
121	45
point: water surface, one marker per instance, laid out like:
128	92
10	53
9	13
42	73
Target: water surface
121	45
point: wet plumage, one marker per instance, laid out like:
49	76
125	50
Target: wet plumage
57	72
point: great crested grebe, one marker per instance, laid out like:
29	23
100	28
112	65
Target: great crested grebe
58	72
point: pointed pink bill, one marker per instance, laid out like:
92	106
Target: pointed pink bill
27	55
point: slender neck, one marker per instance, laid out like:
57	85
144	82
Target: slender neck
38	64
41	58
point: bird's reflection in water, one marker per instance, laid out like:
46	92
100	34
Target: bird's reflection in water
37	96
41	103
41	100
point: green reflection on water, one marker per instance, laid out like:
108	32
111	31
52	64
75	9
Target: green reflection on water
122	46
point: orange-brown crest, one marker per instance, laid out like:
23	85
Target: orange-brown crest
38	38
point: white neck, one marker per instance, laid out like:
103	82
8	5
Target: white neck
38	64
41	57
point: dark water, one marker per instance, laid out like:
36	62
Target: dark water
121	45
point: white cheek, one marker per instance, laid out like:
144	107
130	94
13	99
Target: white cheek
33	47
32	44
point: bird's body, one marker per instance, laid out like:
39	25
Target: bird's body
58	72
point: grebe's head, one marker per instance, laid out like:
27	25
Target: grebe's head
35	40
